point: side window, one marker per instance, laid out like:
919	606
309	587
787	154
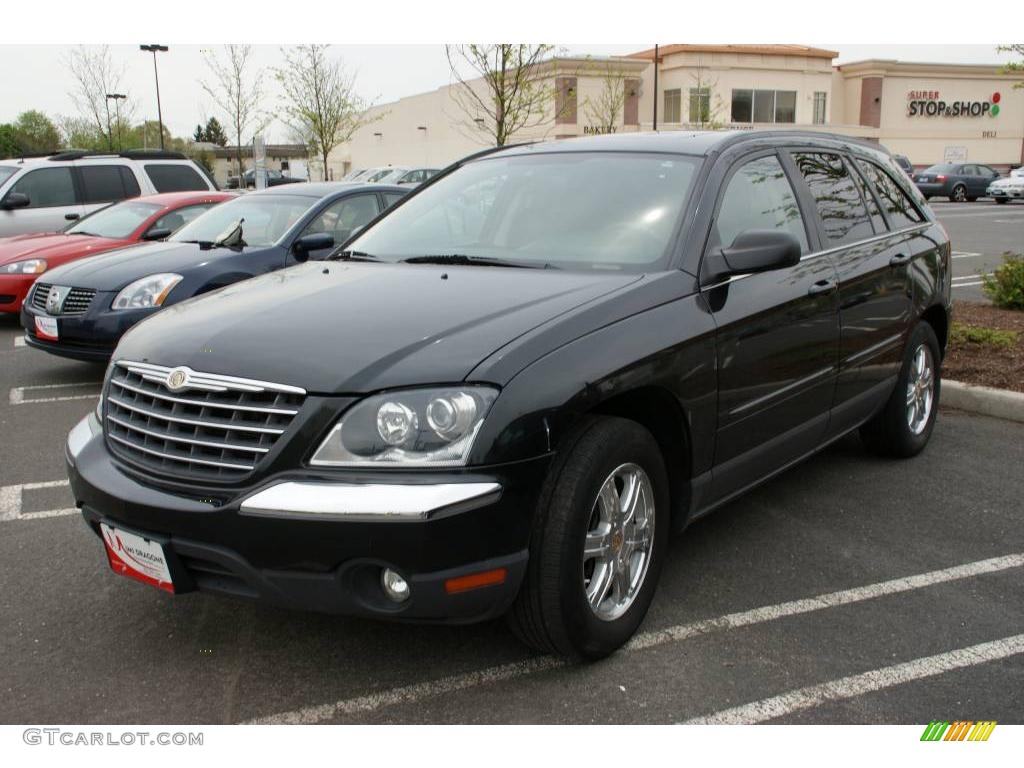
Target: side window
902	212
759	196
839	204
102	184
175	220
877	220
47	187
175	178
390	198
345	216
131	184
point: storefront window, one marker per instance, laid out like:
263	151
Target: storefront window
673	106
819	107
750	106
742	105
785	106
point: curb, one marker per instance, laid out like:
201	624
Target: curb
1000	403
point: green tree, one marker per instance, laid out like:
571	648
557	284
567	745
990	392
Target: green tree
36	132
214	133
199	134
9	146
1017	49
82	133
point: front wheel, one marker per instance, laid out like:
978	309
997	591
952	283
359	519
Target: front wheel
902	428
599	540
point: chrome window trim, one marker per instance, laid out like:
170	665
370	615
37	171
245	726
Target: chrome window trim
371	502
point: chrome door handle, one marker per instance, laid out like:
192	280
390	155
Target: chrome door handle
822	287
900	259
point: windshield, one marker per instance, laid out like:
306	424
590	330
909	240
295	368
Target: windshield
267	219
6	172
575	210
117	221
378	175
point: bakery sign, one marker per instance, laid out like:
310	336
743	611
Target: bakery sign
931	104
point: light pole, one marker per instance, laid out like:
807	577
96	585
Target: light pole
154	49
117	97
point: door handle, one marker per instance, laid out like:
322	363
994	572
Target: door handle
72	216
900	259
821	287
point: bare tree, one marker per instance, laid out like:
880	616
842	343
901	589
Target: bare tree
704	95
499	86
94	75
320	102
238	92
605	109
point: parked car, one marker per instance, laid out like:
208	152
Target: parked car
43	194
958	181
904	163
274	179
355	175
81	310
389	175
1009	188
24	258
501	397
417	175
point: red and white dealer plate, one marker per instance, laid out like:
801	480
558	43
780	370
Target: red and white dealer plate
137	558
47	327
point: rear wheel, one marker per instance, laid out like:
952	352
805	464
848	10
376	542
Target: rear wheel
598	544
903	427
959	194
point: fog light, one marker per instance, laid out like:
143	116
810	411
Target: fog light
395	587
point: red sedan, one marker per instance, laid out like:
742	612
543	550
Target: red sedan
25	257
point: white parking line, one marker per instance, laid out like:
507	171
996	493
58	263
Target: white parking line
966	285
19	341
420	691
867	682
11	502
17	395
965	254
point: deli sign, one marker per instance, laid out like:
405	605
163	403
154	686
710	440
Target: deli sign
931	104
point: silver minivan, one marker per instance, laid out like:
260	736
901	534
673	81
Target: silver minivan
45	194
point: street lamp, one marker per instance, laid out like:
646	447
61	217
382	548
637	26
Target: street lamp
117	97
154	49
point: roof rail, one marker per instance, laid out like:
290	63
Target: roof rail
153	154
130	154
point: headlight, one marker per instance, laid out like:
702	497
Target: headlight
434	427
147	292
26	267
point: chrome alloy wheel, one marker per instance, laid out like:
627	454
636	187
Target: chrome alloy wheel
619	542
920	389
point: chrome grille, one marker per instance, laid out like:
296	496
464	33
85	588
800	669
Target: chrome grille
75	303
213	428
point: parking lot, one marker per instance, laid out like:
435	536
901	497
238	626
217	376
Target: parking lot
849	590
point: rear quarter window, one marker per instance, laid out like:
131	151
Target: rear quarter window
898	206
175	178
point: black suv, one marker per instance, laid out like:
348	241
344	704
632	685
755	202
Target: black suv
503	396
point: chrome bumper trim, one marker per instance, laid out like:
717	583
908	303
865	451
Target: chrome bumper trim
367	503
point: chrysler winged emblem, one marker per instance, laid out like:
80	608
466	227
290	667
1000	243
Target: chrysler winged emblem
177	379
55	299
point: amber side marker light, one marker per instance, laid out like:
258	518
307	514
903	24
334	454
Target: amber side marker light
475	581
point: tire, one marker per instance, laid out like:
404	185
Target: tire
552	612
958	194
972	199
1002	200
896	430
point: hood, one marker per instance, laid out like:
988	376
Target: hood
337	328
1008	181
56	248
113	271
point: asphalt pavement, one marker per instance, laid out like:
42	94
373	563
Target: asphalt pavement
848	590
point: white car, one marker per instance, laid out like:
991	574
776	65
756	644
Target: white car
1007	188
42	194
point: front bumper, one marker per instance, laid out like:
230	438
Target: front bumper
13	290
91	336
1004	192
328	560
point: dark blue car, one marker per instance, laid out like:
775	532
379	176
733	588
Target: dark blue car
81	310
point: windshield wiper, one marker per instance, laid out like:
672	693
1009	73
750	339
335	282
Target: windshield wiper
463	259
351	255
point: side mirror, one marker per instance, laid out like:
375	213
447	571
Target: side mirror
305	245
72	216
756	250
15	200
157	234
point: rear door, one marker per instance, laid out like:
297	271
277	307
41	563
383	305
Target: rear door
777	335
99	185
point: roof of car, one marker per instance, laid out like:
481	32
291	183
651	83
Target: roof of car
325	188
682	142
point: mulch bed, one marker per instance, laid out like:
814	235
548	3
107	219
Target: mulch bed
986	364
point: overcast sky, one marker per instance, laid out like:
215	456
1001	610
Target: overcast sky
384	73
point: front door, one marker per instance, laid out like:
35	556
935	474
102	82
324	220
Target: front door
777	334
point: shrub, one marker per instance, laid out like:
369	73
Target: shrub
970	334
1006	285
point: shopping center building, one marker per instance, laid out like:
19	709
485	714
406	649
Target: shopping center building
929	112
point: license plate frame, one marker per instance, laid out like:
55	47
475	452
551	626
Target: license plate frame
47	328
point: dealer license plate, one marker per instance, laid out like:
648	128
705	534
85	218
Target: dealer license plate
46	327
137	558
